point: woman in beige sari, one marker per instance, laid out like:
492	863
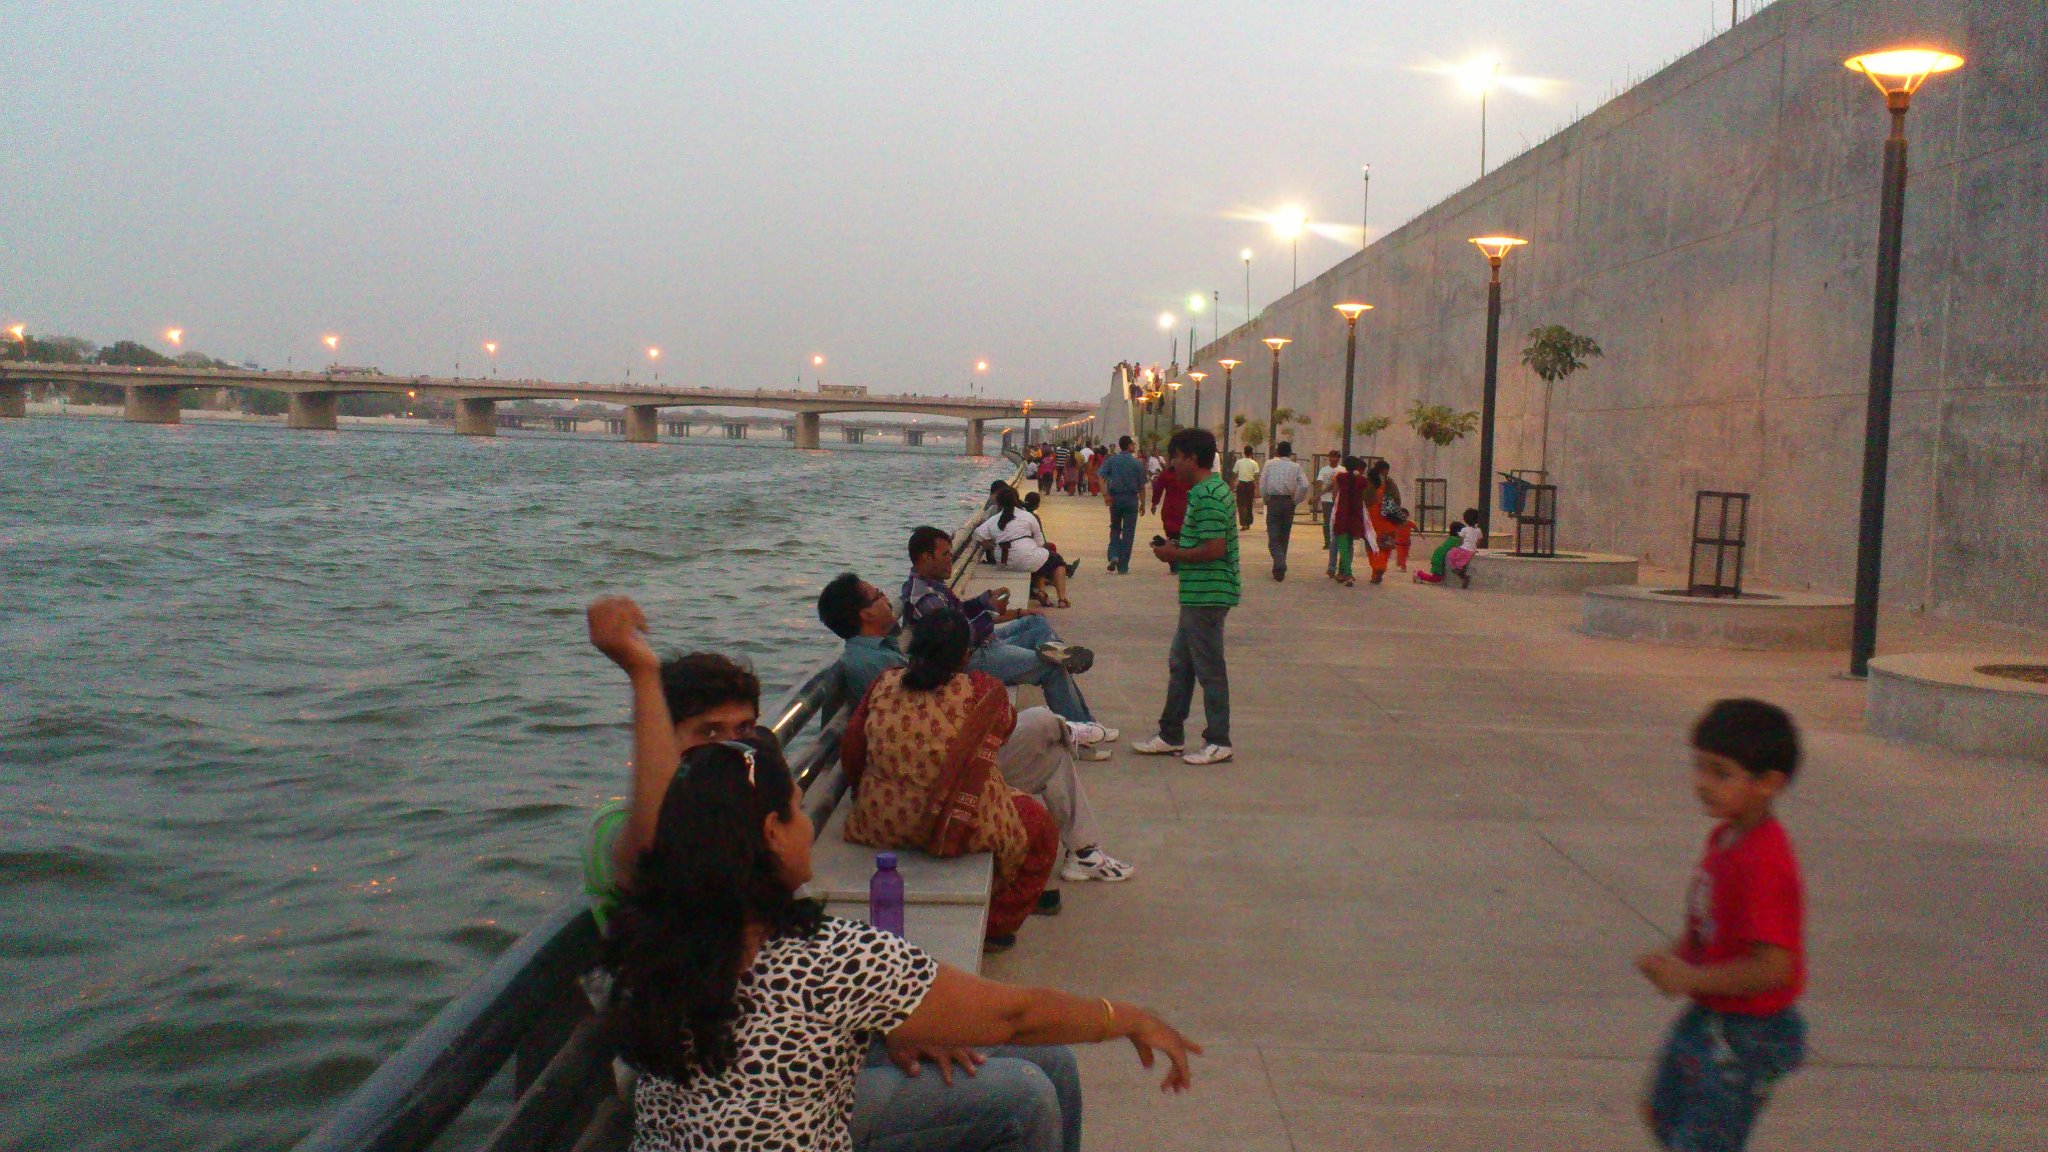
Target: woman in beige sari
920	753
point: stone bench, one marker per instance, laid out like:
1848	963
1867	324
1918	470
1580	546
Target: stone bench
945	902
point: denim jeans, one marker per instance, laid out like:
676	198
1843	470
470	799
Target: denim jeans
1011	655
1197	654
1717	1073
1123	533
1022	1100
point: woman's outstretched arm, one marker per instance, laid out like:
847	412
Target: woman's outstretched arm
619	630
967	1010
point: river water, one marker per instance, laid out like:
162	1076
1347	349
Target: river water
299	730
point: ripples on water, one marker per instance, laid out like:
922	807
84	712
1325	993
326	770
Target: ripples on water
298	730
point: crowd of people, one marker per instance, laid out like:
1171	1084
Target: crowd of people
753	1021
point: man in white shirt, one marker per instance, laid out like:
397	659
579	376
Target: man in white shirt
1326	497
1283	485
1246	473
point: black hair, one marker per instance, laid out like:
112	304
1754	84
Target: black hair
1754	734
1006	499
1353	463
1125	443
1381	467
840	605
682	927
1196	443
701	681
938	650
1031	501
1472	517
923	540
1284	448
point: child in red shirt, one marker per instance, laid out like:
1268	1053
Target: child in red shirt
1742	956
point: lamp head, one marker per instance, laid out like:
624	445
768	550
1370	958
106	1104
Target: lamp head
1245	255
1277	342
654	353
1229	364
1899	72
1353	311
1166	321
1289	223
981	365
1497	247
175	335
1198	377
491	346
19	332
1195	302
333	343
1173	384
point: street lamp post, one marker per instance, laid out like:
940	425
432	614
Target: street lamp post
1246	255
1198	377
1289	226
1351	314
1273	397
1496	249
491	350
1898	74
1228	365
1195	304
1173	412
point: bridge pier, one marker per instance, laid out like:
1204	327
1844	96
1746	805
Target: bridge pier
643	425
913	438
853	435
13	399
974	437
807	430
151	404
312	410
735	430
476	417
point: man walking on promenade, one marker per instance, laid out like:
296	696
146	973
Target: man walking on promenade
1123	489
1246	473
1207	557
1284	485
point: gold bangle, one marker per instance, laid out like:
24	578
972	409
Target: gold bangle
1109	1032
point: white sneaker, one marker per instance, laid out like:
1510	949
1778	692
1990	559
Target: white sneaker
1092	752
1157	746
1208	754
1096	865
1085	732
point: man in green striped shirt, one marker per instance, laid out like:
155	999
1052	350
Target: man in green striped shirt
1207	555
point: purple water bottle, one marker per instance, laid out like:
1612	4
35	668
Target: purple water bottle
885	894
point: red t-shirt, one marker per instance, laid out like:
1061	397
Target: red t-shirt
1746	891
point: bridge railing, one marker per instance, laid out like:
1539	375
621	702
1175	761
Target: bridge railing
537	1006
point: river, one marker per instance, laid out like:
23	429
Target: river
299	730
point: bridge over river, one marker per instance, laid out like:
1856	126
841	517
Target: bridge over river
152	397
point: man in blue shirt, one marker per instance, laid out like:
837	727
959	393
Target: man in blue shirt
1006	640
1123	489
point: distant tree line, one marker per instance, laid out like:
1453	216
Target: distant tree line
135	354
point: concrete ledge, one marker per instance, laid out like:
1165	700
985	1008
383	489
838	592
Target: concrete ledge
1770	621
1950	702
1494	570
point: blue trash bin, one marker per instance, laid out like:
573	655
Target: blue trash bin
1511	497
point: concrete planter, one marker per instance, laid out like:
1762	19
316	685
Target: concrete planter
1498	571
1769	621
1953	702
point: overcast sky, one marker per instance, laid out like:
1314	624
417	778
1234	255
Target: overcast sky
903	189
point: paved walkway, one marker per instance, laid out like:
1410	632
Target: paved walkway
1404	917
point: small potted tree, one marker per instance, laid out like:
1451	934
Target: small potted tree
1554	353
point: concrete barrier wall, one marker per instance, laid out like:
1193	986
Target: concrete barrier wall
1715	229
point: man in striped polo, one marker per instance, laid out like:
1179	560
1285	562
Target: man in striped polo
1207	555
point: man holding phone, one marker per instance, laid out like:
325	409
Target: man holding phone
1006	640
1206	554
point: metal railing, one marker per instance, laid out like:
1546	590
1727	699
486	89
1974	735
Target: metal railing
530	1007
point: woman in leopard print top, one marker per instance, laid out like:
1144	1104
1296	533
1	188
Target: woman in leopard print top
747	1010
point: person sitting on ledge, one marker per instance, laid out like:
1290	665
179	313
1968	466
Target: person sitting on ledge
1039	756
906	1095
1016	540
1005	641
745	1009
920	756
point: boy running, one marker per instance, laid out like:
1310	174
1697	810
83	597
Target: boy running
1742	956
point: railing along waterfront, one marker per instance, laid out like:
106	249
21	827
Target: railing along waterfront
531	1008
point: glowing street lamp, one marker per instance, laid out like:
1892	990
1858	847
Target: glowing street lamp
1167	323
491	350
1496	249
1195	303
19	333
1198	377
333	343
176	336
1228	366
1173	414
1898	74
1273	398
1351	314
654	358
1288	226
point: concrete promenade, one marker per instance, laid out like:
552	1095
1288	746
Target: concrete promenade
1404	917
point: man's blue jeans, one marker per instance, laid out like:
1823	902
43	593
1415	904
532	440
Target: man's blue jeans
1011	656
1123	533
1022	1100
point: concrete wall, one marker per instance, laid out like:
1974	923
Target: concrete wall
1715	229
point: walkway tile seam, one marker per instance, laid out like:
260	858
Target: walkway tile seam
1273	1094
